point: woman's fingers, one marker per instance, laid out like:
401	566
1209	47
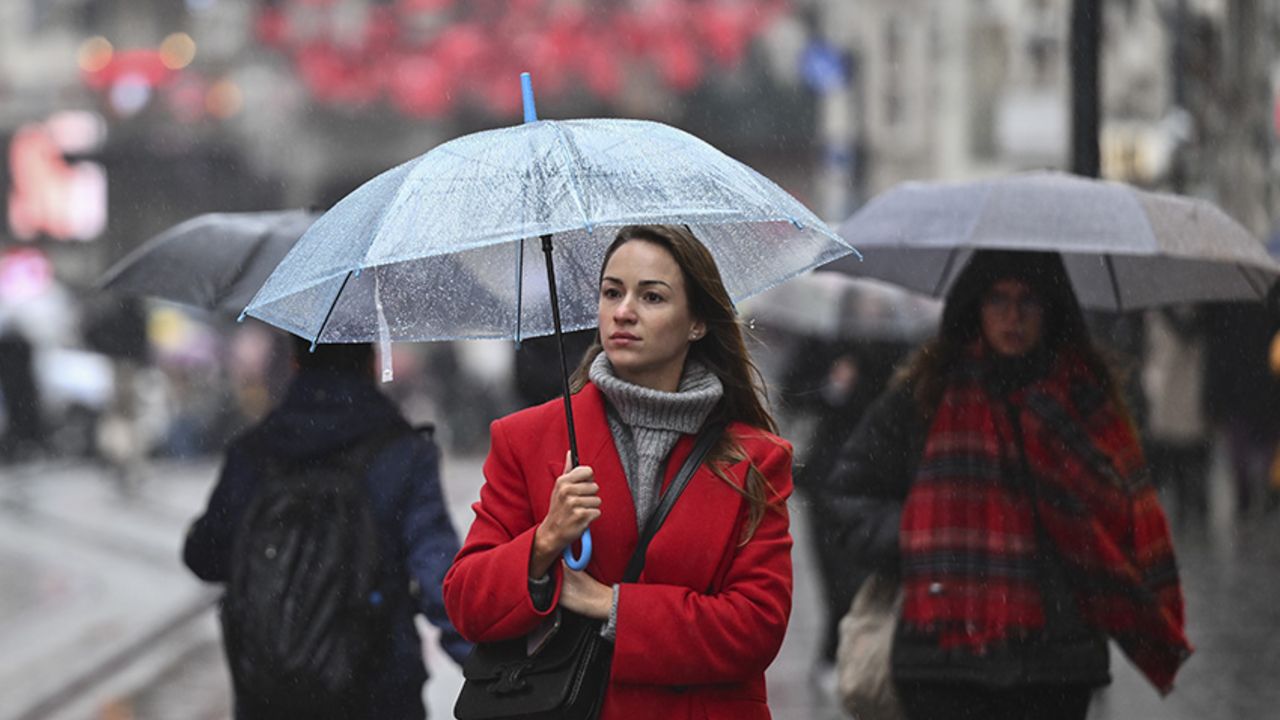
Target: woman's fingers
580	488
580	474
576	483
575	504
586	501
583	594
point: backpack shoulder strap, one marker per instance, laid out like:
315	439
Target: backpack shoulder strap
707	439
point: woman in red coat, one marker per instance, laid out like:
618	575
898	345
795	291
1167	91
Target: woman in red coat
693	637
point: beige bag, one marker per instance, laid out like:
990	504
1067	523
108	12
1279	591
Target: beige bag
863	669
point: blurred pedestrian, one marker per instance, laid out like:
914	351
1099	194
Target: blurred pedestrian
538	365
1177	431
1242	394
854	376
1027	530
119	331
695	634
23	435
333	426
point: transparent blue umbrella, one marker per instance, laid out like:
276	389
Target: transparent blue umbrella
440	248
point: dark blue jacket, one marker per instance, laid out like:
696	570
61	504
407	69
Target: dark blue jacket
322	411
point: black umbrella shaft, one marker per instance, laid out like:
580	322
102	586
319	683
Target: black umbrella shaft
564	364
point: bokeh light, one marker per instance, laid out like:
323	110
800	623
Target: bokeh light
177	51
95	54
224	99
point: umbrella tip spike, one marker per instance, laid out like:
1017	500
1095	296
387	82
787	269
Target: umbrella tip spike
799	225
313	345
241	317
526	93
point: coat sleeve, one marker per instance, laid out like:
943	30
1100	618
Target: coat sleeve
486	592
871	478
878	459
207	549
430	542
675	635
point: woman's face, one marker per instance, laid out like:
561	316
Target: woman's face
1012	318
646	325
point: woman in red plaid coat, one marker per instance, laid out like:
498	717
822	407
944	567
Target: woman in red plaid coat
1000	478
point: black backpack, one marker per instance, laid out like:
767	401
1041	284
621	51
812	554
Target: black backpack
303	619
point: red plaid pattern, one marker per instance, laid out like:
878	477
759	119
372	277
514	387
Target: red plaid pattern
968	536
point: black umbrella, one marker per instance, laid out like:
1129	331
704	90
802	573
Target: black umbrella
215	261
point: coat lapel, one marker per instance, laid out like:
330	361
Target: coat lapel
706	515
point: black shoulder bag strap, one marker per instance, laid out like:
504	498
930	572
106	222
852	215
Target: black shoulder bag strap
706	440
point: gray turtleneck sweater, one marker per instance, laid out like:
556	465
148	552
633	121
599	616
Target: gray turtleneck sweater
646	423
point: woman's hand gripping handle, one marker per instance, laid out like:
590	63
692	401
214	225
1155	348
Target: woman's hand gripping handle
575	504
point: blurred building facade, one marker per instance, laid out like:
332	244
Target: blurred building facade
949	90
214	104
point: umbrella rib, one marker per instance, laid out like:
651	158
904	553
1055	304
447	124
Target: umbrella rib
1115	286
247	263
946	272
574	190
1253	284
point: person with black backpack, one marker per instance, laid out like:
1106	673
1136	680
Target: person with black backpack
329	528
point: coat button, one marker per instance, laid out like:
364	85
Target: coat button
935	588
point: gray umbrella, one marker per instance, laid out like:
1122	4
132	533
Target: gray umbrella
836	308
215	261
1124	248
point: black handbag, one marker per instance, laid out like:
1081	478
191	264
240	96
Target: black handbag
563	675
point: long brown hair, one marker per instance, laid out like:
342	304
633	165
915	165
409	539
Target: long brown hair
1064	324
722	350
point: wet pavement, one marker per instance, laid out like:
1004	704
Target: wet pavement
101	621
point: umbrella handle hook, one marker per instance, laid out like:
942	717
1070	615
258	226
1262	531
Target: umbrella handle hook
579	562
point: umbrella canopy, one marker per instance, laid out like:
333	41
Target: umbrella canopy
437	249
214	262
1123	248
834	307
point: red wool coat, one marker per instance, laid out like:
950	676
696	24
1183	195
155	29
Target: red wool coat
695	634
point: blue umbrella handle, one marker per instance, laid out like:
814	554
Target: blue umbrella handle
580	562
